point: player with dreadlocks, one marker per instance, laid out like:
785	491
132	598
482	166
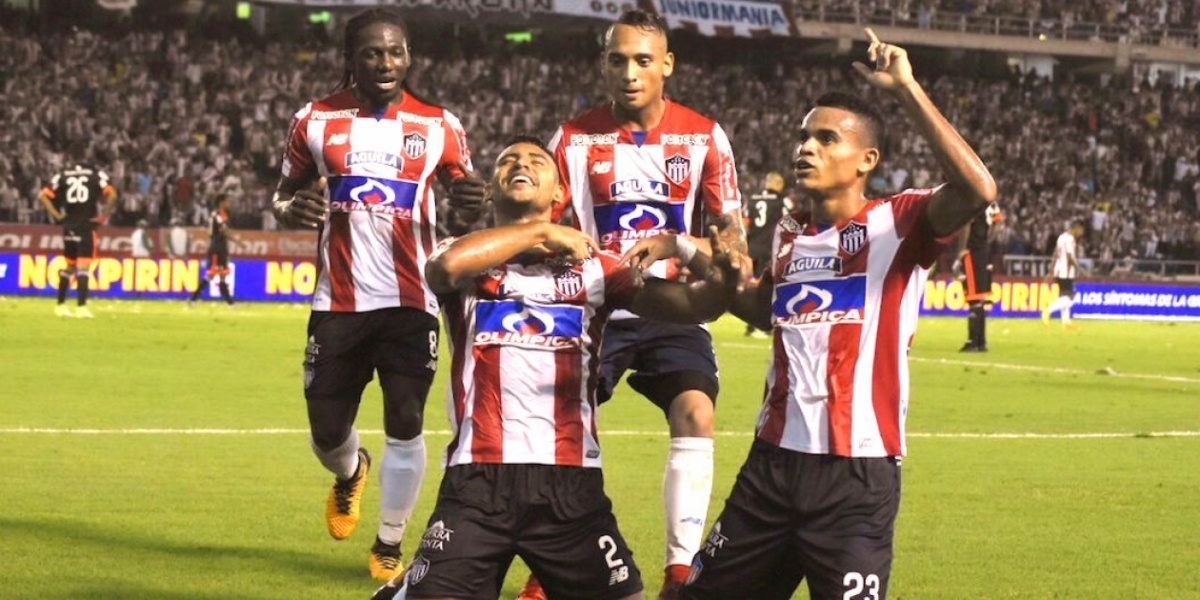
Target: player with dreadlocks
359	167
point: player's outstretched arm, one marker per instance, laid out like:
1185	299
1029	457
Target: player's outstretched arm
695	302
477	252
753	303
970	187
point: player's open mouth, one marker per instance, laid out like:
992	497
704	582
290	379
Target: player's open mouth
520	182
386	85
803	168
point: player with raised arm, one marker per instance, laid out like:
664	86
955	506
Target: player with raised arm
818	494
73	198
639	166
360	166
525	305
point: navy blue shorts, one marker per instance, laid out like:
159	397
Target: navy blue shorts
793	516
667	360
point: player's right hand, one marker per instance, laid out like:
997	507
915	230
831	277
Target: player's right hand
306	208
569	244
727	264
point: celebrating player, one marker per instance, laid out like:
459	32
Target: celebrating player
818	495
525	305
640	166
360	165
73	199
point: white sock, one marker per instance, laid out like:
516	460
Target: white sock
687	485
400	475
1066	310
343	460
1060	304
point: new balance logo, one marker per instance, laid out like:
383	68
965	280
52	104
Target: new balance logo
602	167
618	575
337	139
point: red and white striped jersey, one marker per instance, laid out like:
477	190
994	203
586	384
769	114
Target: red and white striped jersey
844	309
525	347
380	169
621	191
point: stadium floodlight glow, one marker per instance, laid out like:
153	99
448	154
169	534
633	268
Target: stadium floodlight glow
519	37
323	16
243	10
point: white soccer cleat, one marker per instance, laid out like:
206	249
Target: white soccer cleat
83	313
63	310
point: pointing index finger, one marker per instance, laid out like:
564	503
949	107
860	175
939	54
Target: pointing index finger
462	166
871	36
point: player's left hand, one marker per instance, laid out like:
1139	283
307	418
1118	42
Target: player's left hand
892	70
648	251
467	193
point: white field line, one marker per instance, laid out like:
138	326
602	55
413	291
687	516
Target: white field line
614	432
1106	372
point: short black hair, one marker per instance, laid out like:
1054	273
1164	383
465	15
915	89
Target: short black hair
865	112
525	138
643	20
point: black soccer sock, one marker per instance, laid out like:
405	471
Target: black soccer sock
973	326
64	282
83	280
981	327
196	294
224	287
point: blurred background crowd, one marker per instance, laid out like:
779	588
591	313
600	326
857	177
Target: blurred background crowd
178	116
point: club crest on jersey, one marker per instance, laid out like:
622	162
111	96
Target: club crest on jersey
840	300
373	157
414	145
637	220
678	168
568	283
852	237
512	322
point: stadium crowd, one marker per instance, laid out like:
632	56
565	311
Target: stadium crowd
1140	21
177	118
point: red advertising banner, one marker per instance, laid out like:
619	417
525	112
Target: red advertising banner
114	241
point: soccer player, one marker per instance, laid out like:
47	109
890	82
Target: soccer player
525	304
1063	270
73	199
219	237
762	213
360	166
639	166
818	494
975	264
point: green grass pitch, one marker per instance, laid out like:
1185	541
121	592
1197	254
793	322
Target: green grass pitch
157	452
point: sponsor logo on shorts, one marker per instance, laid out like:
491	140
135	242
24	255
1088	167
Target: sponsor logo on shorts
436	537
417	570
716	540
839	300
310	360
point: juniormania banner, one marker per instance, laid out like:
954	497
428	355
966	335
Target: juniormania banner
1025	298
